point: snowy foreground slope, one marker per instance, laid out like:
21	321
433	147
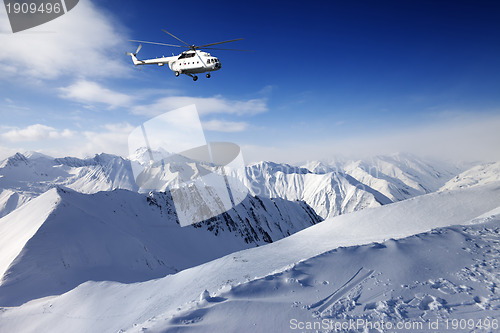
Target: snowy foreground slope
364	265
445	280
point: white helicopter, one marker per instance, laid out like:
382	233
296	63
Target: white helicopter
190	62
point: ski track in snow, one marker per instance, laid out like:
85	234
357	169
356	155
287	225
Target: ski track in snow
336	295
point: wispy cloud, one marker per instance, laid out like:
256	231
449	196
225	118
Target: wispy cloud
89	92
80	43
35	133
225	126
11	104
205	105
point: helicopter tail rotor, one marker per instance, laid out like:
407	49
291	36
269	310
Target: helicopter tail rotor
138	49
134	58
135	53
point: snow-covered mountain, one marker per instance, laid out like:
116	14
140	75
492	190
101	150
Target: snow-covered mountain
365	265
330	188
329	194
342	186
402	176
63	238
35	173
478	175
24	177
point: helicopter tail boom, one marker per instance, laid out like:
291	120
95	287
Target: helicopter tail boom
134	59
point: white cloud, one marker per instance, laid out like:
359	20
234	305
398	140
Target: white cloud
91	92
225	126
83	42
36	132
111	139
6	152
204	105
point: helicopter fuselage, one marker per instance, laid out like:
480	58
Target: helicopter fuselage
189	62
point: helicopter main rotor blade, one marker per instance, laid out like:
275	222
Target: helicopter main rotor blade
216	48
180	40
211	44
143	41
204	65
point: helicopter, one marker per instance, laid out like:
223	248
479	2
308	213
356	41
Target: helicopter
190	62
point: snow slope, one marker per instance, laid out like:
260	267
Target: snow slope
243	278
478	175
18	228
378	286
10	201
64	238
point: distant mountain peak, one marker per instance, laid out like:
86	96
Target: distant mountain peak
327	186
478	175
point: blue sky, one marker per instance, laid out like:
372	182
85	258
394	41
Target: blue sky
326	77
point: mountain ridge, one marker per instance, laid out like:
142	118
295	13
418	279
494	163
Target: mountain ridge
330	188
63	238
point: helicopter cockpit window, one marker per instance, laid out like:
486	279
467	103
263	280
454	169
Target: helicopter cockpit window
186	55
